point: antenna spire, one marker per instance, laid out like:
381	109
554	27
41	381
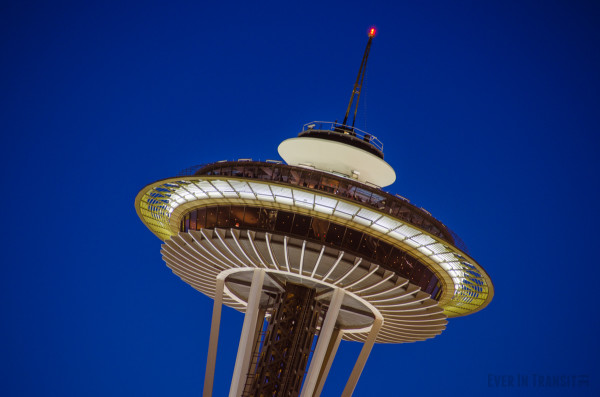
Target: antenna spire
360	78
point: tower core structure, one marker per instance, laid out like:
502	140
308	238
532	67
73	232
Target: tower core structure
313	251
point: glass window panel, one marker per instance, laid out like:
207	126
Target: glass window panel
407	231
425	250
438	248
211	217
250	171
281	191
187	223
193	215
237	215
285	174
251	217
380	229
267	219
377	201
325	210
325	201
352	240
412	243
223	216
206	186
335	234
222	186
264	172
310	180
276	175
259	188
388	223
368	246
318	229
395	258
303	197
301	225
329	185
240	186
284	200
215	194
347	208
201	219
369	215
362	195
406	267
343	215
431	284
284	221
383	252
294	177
423	239
237	171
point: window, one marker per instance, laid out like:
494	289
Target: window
223	213
211	217
383	252
368	246
237	215
251	217
301	225
335	234
193	215
267	219
284	221
352	240
201	220
318	229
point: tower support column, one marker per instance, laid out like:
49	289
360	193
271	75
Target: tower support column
242	361
331	351
213	340
362	357
324	338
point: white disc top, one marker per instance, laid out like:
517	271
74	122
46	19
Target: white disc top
327	155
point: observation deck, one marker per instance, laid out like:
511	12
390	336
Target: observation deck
343	133
345	202
341	149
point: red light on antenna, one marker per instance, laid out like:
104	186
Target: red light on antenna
372	32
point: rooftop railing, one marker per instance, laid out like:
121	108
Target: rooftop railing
343	129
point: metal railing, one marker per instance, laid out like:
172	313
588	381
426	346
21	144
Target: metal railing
343	129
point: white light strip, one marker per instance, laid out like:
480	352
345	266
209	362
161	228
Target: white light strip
435	250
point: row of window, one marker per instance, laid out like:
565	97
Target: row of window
318	230
346	188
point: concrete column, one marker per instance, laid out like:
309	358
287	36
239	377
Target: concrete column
362	357
213	341
244	354
324	338
331	351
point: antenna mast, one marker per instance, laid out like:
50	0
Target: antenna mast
359	79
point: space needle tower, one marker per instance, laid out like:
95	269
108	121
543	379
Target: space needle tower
312	251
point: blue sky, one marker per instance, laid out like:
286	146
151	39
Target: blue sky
488	111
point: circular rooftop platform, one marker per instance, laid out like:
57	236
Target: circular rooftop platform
333	156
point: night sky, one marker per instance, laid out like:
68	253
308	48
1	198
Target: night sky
489	112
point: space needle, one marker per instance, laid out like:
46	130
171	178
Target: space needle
314	252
